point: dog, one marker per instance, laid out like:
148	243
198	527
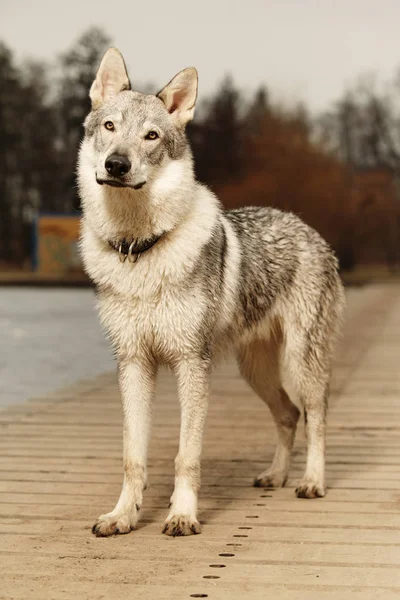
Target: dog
182	282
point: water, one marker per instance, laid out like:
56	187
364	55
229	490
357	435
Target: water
49	339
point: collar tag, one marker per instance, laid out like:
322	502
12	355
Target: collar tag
133	250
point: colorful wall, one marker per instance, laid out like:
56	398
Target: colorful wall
56	244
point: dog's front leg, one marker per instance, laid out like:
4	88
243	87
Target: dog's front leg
193	385
137	384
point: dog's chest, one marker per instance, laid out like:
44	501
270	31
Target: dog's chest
167	323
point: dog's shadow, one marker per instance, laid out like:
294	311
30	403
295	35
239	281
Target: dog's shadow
227	484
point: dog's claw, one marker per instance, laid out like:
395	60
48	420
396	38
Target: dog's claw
310	490
270	480
111	525
181	525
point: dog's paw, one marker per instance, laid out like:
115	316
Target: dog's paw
113	524
310	489
270	479
181	525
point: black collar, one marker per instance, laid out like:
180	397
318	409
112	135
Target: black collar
134	248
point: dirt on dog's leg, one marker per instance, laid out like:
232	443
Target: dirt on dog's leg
137	384
193	385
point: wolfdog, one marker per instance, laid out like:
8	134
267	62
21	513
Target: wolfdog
181	282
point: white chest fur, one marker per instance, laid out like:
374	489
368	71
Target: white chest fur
156	304
166	324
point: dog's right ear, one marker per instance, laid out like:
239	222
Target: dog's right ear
111	78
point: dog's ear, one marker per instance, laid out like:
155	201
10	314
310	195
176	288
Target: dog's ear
179	96
111	78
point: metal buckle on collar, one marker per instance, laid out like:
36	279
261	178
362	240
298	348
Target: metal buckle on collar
132	257
122	257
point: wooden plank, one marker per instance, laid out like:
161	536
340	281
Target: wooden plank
269	519
264	571
65	589
225	534
311	553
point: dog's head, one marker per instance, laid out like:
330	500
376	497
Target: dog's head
132	135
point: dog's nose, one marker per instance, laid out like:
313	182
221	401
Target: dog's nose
117	165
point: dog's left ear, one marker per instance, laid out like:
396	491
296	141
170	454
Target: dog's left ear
179	96
111	78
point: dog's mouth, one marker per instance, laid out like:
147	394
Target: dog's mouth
119	184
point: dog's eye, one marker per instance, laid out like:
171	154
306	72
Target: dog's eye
152	135
109	125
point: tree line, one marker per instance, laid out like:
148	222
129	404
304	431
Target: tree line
248	151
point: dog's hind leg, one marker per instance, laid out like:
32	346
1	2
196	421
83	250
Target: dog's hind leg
306	372
315	408
193	386
258	364
137	384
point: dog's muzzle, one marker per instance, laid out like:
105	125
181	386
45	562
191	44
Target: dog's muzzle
120	184
117	165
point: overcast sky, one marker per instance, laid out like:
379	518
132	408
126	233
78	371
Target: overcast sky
308	50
